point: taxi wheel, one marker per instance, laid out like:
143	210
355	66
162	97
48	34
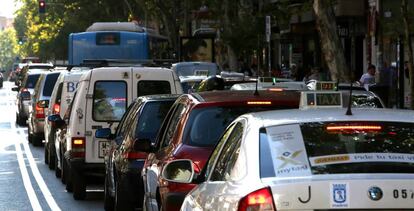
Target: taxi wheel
78	184
36	141
62	173
108	199
19	120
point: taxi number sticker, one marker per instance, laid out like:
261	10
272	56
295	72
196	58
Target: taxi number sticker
103	147
403	194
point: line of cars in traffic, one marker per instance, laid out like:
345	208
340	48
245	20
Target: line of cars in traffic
155	148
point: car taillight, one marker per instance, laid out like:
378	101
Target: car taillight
135	155
40	112
261	199
78	146
56	108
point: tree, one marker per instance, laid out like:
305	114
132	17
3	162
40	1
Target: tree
8	48
406	20
331	46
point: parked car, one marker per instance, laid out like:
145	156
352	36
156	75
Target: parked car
311	159
38	105
102	98
191	130
123	162
23	97
60	99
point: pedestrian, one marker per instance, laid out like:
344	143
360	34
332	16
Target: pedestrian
369	77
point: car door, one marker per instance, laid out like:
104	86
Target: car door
107	100
218	171
155	160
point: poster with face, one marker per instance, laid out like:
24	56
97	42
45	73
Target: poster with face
197	49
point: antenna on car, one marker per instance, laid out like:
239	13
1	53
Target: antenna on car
256	92
349	111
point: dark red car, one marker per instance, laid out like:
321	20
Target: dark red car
191	130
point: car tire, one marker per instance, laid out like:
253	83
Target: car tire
109	200
79	185
36	141
19	120
66	176
58	171
51	158
46	155
122	201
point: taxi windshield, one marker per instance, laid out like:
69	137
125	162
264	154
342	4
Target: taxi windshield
337	148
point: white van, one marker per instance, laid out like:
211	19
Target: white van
60	99
103	96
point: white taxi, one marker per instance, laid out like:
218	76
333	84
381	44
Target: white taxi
307	159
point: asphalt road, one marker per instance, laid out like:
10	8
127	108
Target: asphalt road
26	183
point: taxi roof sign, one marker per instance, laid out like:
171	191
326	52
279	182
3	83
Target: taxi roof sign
326	86
321	99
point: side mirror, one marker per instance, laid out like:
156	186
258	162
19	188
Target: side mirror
105	133
142	145
56	121
16	89
180	171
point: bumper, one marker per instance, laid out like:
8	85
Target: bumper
87	169
39	126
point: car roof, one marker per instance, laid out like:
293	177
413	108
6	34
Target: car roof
193	63
230	96
157	97
294	116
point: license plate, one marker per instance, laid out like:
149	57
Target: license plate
103	147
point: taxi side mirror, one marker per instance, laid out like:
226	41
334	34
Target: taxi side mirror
142	145
104	133
15	89
179	171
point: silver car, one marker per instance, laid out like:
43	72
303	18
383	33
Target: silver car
38	105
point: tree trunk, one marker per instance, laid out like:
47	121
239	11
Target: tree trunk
331	46
404	12
232	57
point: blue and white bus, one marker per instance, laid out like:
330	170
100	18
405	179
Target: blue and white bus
116	40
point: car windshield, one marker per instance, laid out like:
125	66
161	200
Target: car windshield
205	125
197	69
31	81
336	148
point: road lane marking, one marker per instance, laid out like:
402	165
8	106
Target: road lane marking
35	171
34	201
38	177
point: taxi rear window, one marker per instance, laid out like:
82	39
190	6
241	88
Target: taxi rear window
109	100
336	148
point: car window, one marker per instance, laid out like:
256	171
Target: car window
172	125
59	93
50	83
228	155
150	119
109	100
338	148
31	81
216	151
127	119
153	87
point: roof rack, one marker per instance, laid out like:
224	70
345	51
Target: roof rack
93	63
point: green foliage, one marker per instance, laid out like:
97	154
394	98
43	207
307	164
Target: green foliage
8	48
